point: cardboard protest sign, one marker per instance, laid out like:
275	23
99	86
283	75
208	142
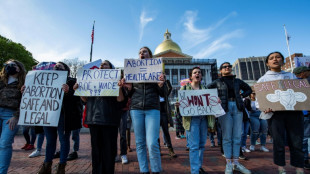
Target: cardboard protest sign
281	95
302	61
199	102
98	82
143	70
42	98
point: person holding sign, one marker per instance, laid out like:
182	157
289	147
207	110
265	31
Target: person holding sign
12	78
229	88
196	127
145	115
69	119
290	122
103	119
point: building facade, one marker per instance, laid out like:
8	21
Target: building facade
250	69
287	64
178	64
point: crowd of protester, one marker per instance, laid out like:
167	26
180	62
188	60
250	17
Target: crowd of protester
145	107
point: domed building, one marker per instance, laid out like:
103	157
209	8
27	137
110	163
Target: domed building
178	64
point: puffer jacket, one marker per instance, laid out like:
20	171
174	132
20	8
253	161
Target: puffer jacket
145	96
223	92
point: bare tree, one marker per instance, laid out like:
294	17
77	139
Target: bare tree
74	64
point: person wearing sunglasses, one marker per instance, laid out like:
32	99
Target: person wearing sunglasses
229	91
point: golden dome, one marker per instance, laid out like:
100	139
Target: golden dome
167	44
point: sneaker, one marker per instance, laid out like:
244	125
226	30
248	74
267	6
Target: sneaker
35	154
244	149
57	155
242	157
241	168
124	159
282	171
223	155
264	149
177	137
252	148
257	143
183	137
24	147
171	153
229	169
29	147
72	156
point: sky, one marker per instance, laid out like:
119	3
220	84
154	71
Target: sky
214	29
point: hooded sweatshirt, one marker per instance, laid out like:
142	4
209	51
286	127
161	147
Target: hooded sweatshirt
271	76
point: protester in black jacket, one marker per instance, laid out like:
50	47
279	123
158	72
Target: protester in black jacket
103	118
229	89
145	115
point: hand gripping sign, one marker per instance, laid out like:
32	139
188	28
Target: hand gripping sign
143	70
281	95
42	98
200	102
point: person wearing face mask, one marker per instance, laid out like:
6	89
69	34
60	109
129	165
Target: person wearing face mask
12	78
70	119
229	88
103	118
196	127
145	115
280	122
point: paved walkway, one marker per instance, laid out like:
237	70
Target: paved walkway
258	163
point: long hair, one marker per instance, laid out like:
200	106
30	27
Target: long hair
66	67
21	74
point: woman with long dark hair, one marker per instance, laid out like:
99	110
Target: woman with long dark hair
12	78
145	115
69	120
284	123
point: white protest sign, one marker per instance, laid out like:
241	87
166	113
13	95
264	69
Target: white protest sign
302	61
143	70
200	102
98	82
42	98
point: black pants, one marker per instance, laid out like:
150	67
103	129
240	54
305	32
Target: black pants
290	122
122	133
104	148
164	126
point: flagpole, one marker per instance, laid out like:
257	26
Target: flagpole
92	41
288	48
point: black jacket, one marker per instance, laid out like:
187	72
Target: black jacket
145	96
104	110
72	108
165	107
223	91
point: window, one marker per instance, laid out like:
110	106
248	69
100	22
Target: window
250	72
175	79
256	70
244	71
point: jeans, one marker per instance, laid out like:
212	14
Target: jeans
40	141
196	139
290	122
164	126
245	130
231	124
6	139
51	139
32	133
76	139
103	148
146	124
122	132
259	127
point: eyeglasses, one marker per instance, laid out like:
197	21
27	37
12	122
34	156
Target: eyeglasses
228	66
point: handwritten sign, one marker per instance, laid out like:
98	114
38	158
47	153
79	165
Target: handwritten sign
302	61
42	98
281	95
143	70
199	102
98	82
